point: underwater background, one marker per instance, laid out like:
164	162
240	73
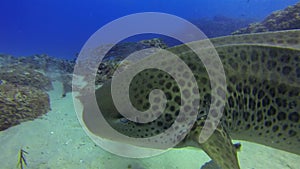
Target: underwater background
60	28
39	43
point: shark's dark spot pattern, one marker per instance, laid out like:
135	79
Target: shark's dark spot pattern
294	117
262	94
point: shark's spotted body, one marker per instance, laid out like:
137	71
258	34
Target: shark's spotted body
263	96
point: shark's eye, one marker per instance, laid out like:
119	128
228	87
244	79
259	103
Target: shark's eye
124	120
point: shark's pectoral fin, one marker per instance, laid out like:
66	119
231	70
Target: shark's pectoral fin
220	149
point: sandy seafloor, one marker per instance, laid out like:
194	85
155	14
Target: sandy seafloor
56	140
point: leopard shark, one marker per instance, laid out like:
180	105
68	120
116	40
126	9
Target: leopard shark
262	102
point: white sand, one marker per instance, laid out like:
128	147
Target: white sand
56	140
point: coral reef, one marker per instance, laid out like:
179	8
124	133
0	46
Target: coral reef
114	57
47	63
20	103
122	50
221	25
24	80
39	70
107	69
25	76
22	91
156	42
7	59
111	62
286	19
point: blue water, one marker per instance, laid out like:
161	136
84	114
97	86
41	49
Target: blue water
61	27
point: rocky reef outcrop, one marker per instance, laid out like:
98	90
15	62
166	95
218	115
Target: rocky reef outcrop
286	19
